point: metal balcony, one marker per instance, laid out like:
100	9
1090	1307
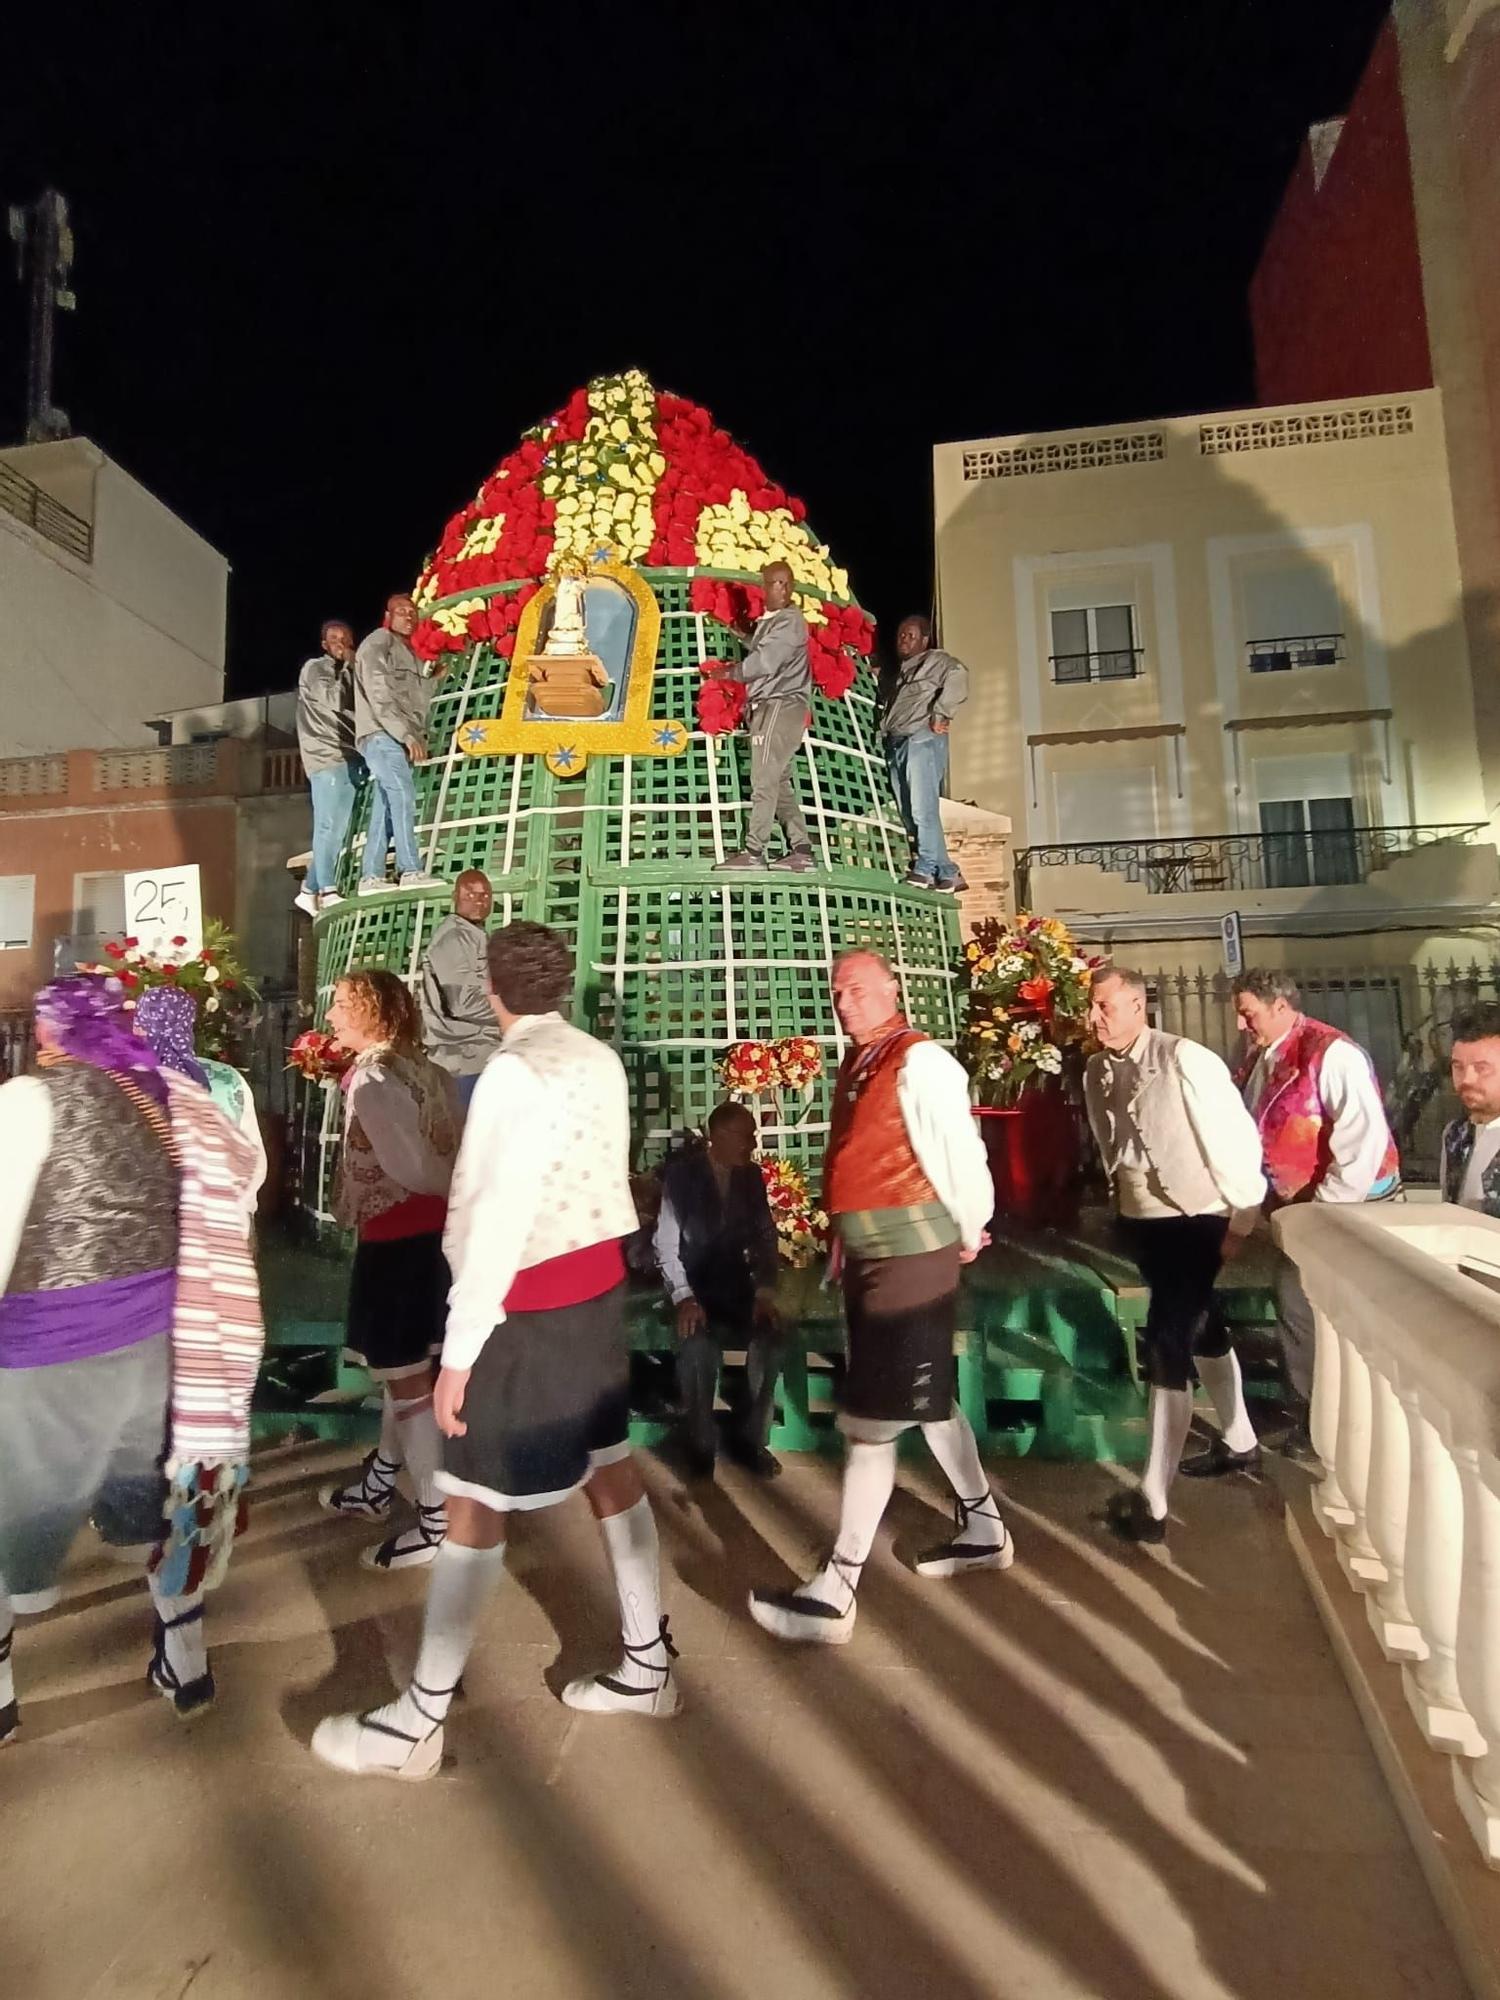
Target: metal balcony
1302	649
1119	663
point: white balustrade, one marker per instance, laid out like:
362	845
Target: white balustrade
1406	1421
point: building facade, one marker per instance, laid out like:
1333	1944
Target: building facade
112	610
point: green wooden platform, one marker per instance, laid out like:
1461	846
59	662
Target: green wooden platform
1046	1348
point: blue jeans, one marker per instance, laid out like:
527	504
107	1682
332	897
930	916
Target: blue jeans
393	807
919	769
332	803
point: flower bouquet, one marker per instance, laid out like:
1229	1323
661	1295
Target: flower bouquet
318	1057
1028	989
801	1229
789	1067
214	976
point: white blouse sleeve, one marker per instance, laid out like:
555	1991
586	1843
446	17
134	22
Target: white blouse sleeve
25	1141
933	1092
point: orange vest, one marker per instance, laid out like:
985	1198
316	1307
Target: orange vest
869	1162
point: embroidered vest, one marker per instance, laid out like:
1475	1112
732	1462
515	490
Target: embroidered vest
362	1189
581	1156
869	1162
1458	1144
105	1204
1294	1129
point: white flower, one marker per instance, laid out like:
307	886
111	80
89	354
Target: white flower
1049	1059
210	973
211	1004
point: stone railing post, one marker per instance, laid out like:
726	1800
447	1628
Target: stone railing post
1329	1505
1387	1508
1356	1552
1476	1778
1434	1569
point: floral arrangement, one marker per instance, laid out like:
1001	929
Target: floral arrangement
721	703
214	976
650	477
801	1229
755	1069
318	1057
1028	998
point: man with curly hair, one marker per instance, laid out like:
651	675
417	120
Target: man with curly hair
534	1396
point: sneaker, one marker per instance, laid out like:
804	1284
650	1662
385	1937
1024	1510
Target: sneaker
744	859
807	1616
1219	1459
756	1458
414	1547
963	1552
951	885
915	879
796	861
1296	1445
1132	1520
374	885
655	1694
10	1724
418	878
367	1498
188	1698
329	899
365	1747
306	900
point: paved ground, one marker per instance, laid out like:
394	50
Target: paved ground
1106	1774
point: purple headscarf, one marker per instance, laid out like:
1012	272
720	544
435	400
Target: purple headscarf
167	1016
86	1018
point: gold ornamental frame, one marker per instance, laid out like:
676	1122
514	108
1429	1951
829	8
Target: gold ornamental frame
565	743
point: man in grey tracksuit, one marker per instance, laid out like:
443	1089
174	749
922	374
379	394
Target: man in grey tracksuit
325	737
390	729
778	681
931	687
458	1022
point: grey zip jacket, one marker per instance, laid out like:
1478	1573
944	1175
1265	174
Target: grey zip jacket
458	1023
390	694
932	687
775	662
325	714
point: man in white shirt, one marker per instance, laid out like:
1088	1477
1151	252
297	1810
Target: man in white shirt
1315	1099
1471	1144
907	1188
1184	1157
533	1396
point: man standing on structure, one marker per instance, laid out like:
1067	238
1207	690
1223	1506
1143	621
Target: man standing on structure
1184	1156
390	728
325	737
778	681
1314	1096
534	1393
908	1192
931	686
458	1022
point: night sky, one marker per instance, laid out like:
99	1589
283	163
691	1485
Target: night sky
330	267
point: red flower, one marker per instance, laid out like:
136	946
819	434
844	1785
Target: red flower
130	980
179	941
721	704
1035	992
114	951
132	944
834	674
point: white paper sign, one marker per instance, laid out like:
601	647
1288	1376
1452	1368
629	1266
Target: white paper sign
163	904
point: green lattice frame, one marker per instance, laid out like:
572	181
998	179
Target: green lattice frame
674	962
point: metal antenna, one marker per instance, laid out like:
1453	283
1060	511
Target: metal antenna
44	259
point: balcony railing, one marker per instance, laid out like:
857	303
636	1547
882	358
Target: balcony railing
1302	649
1119	663
24	499
1235	861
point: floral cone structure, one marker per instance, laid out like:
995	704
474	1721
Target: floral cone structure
675	964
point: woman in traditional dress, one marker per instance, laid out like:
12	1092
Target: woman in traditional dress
168	1018
400	1140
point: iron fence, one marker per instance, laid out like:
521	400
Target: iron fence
24	499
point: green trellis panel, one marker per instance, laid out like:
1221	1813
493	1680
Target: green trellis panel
674	961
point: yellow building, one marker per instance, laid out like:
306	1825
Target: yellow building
1219	665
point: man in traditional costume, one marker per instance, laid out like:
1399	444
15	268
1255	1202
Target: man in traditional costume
534	1394
130	1329
1184	1156
1315	1098
778	682
908	1192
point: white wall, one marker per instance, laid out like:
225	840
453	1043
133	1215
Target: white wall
89	651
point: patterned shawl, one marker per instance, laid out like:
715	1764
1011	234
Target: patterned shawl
167	1016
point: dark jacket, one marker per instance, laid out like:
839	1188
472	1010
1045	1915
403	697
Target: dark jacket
1458	1144
458	1022
726	1245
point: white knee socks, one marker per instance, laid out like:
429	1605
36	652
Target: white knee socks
869	1475
1171	1416
421	1447
463	1581
389	1447
183	1643
1220	1375
956	1449
635	1557
7	1678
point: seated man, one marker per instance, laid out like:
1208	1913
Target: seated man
716	1244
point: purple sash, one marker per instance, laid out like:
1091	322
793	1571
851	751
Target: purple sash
41	1329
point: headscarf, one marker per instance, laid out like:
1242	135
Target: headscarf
86	1018
167	1016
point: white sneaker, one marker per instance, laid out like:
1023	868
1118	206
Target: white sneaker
329	899
370	1749
655	1695
374	885
802	1618
419	879
306	901
966	1550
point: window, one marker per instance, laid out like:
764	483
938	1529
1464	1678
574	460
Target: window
1293	617
99	905
1096	643
1309	842
17	908
1116	802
